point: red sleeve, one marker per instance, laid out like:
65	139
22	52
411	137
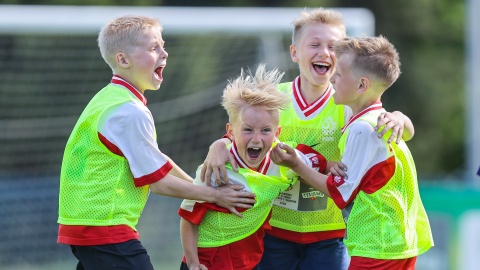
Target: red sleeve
333	182
153	177
200	209
196	215
319	162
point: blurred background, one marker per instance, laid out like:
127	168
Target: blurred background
50	67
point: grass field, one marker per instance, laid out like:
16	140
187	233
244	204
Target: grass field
72	264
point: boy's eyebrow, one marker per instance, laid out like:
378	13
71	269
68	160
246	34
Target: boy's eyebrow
320	39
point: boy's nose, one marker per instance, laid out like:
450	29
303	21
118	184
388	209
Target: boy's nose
323	52
256	137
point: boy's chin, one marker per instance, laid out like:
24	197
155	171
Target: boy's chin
155	88
336	100
257	162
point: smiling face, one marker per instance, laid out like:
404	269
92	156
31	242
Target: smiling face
254	133
313	51
144	63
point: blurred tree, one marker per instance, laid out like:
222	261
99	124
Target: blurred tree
429	36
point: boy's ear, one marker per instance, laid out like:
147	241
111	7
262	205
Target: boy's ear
364	84
279	129
293	53
122	60
229	129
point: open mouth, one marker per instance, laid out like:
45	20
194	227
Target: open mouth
321	68
254	152
158	73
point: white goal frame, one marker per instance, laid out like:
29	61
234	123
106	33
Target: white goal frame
267	23
89	19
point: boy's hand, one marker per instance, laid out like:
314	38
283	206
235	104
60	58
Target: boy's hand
231	196
284	155
388	121
339	169
214	163
198	266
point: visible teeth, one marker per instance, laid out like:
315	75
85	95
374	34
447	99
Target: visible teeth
322	64
255	148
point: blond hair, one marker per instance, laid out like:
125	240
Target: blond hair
259	91
374	56
121	35
318	15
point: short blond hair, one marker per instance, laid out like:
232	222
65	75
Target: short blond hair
121	35
374	56
258	91
318	15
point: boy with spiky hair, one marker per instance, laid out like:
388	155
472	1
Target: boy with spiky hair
217	240
387	226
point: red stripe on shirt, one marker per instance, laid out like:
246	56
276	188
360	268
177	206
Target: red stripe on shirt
374	179
360	263
112	147
196	215
309	109
200	209
153	177
319	162
79	235
119	81
374	106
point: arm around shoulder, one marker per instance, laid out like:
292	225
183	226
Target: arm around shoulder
409	129
400	125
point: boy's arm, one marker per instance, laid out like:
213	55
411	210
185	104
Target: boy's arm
286	156
189	239
371	166
214	163
399	123
228	197
177	171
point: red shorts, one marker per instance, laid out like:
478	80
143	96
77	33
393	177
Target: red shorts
362	263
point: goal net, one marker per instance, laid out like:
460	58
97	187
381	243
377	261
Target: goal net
50	67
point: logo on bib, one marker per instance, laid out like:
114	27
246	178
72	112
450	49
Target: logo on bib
338	180
329	126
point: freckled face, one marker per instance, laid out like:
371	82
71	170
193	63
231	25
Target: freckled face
147	60
254	133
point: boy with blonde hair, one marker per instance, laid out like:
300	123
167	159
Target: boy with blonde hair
307	227
112	161
212	238
387	226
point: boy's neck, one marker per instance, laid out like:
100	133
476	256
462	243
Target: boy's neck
312	93
362	105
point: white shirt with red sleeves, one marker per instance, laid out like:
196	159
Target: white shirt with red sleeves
364	152
129	130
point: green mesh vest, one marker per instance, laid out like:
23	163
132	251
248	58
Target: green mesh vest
219	229
96	186
391	223
322	133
